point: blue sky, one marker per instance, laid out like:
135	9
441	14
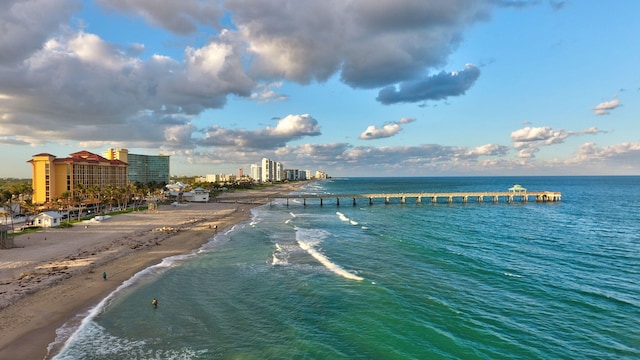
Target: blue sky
350	87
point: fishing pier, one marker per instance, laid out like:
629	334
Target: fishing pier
434	198
515	194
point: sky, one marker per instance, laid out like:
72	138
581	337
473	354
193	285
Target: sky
349	87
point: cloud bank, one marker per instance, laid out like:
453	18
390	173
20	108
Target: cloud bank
53	73
60	82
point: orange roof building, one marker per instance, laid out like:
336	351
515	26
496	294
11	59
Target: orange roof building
53	176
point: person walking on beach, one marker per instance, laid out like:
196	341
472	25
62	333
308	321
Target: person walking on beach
154	302
104	276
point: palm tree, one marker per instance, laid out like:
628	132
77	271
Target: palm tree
29	209
143	190
78	198
23	192
95	197
65	197
107	195
119	195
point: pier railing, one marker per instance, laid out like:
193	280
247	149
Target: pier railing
418	198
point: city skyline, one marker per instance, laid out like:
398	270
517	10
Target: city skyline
352	88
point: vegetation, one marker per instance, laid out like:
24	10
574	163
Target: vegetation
88	201
11	191
85	202
11	187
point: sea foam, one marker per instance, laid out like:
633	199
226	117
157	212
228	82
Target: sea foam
308	243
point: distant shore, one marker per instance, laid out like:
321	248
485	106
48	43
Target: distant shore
53	275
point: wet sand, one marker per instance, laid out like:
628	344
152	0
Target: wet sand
51	276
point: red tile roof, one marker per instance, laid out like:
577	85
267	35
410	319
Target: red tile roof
83	156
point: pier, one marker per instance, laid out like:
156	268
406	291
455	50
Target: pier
434	198
417	198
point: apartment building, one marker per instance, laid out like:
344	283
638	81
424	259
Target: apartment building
271	171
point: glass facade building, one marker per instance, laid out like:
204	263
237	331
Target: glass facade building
148	168
143	168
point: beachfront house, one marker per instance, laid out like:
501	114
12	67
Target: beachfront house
47	219
199	195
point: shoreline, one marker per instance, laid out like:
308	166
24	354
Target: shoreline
54	276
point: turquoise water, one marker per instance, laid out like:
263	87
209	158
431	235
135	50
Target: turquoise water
413	281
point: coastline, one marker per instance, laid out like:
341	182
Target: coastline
54	275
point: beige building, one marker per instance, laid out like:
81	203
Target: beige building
53	176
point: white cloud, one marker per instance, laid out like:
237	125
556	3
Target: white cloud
489	150
289	128
533	134
372	132
619	152
528	140
267	92
604	108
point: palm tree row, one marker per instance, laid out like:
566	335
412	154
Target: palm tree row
104	199
94	198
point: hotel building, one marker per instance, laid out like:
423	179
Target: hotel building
53	176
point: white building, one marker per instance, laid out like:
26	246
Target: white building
320	175
267	170
256	172
47	219
197	195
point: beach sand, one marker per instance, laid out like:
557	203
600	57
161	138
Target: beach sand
53	275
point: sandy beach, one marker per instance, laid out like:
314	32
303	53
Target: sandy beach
52	275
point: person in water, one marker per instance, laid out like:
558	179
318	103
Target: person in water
154	302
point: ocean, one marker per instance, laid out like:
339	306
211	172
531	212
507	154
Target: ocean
554	280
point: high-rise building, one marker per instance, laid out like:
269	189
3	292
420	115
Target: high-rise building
271	170
267	170
53	176
142	168
279	171
256	172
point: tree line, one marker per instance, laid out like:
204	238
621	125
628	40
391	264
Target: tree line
100	199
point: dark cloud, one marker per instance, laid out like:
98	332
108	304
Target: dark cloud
12	141
182	17
436	87
26	25
370	43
